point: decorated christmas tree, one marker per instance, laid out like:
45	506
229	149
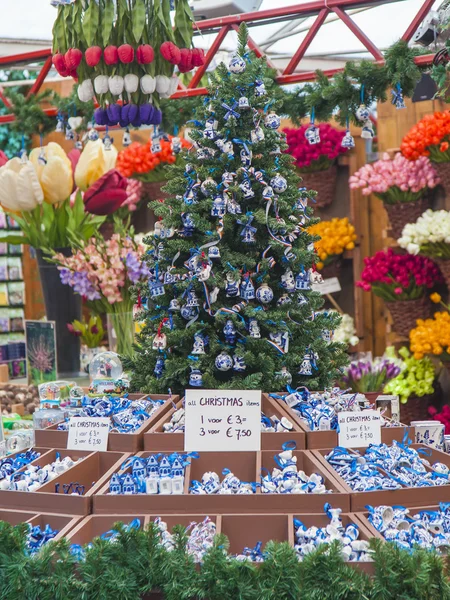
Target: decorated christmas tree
229	301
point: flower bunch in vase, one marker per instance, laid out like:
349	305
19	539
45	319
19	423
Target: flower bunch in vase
430	137
370	376
430	236
103	272
336	236
403	281
91	334
432	336
317	162
417	378
401	184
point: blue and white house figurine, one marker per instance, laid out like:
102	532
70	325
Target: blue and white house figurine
303	280
247	289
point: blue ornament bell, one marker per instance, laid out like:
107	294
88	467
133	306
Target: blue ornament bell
306	366
348	140
367	132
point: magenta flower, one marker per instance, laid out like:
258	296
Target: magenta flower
315	156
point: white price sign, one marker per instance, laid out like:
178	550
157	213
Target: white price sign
359	429
88	433
327	286
222	420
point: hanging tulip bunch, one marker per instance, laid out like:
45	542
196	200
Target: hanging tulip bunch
124	54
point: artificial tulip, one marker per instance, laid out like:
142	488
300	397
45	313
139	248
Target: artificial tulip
94	162
107	194
170	52
75	122
3	158
115	84
131	83
162	84
73	58
19	186
86	91
110	55
126	53
60	64
55	176
101	84
74	157
198	57
145	54
185	63
148	84
93	56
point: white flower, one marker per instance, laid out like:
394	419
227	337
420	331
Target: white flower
85	91
162	84
433	227
173	85
148	84
115	84
101	84
131	83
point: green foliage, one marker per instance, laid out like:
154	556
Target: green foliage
137	564
263	361
30	119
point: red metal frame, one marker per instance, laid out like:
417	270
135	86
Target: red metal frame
222	26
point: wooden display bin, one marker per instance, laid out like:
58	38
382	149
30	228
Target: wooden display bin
157	441
92	470
63	523
117	442
246	466
329	439
407	496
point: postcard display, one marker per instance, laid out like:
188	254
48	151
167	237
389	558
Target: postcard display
252	495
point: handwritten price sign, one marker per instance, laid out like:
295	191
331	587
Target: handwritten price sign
222	420
359	429
87	433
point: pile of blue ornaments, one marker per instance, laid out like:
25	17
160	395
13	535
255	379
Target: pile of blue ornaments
36	537
11	464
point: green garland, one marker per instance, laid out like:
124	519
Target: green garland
30	119
136	564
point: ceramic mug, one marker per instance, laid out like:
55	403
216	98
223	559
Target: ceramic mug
430	433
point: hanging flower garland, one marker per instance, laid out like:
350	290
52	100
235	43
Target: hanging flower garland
119	50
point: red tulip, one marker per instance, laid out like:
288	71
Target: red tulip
60	64
170	52
74	157
145	54
74	75
126	53
107	194
198	57
3	158
93	56
185	63
73	58
111	55
72	329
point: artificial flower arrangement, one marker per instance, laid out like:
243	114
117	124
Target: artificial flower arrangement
90	332
401	184
432	336
103	272
403	281
346	332
124	50
416	378
336	236
316	162
370	376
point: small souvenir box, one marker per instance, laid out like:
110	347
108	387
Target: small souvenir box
168	433
51	437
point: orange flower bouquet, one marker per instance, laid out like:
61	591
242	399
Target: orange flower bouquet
431	137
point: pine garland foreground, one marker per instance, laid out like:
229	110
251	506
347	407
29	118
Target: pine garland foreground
136	565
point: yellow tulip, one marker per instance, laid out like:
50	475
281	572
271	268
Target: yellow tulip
94	162
55	174
19	186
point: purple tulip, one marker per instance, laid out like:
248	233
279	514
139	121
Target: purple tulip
157	117
125	114
100	116
113	112
133	112
137	121
145	111
124	123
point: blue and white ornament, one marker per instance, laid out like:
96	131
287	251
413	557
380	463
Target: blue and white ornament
224	362
159	367
264	294
237	64
188	225
303	280
188	312
272	121
257	135
239	363
229	331
195	378
246	157
208	187
367	132
253	329
199	343
260	88
213	252
246	189
348	140
219	207
312	134
288	281
232	286
247	289
362	113
278	184
243	102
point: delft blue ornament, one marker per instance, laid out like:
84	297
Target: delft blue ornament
306	366
239	364
272	121
152	466
288	281
312	134
188	225
227	179
219	207
284	376
303	280
327	335
156	289
209	134
176	145
264	294
199	344
126	140
188	312
165	468
192	300
159	367
208	187
224	362
247	289
211	123
397	98
227	148
281	339
253	329
246	157
268	193
284	299
246	189
237	64
257	135
301	300
174	305
229	331
362	113
260	88
59	125
348	140
128	485
248	232
213	252
70	133
367	132
232	286
278	184
244	103
233	207
202	154
115	484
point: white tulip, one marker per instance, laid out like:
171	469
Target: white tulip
19	186
75	122
115	84
148	84
131	83
162	84
173	85
101	84
85	91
